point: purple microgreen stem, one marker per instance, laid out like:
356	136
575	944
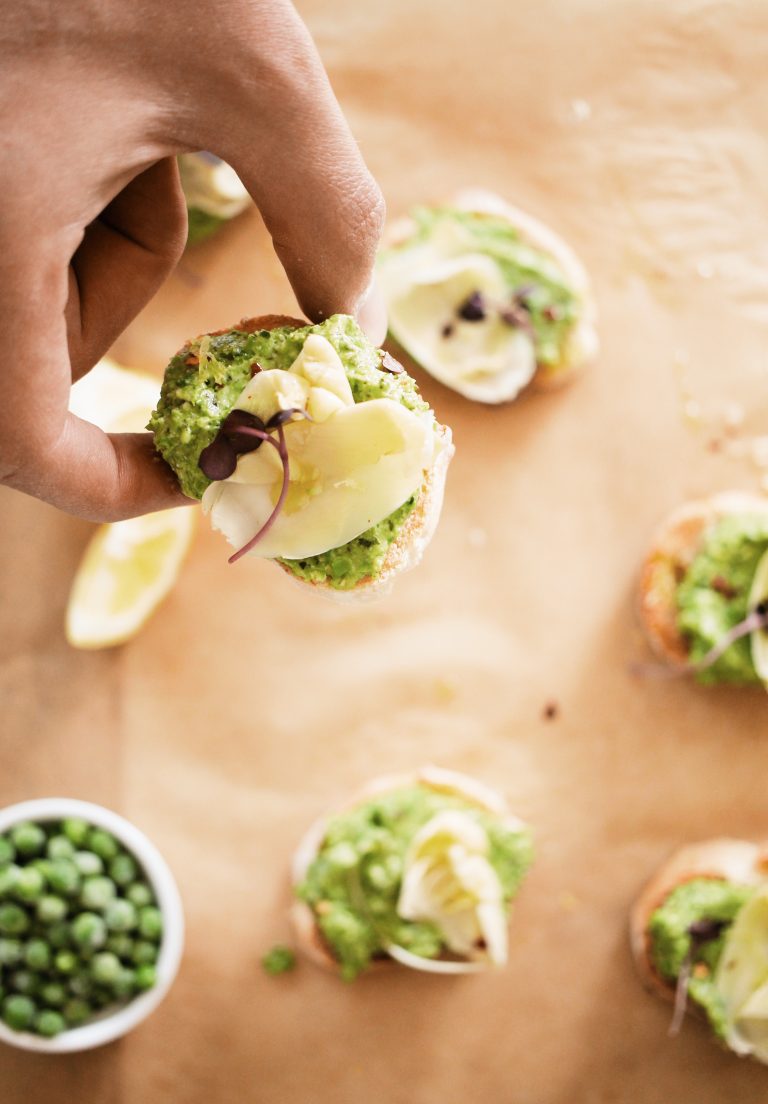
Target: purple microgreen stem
283	454
755	620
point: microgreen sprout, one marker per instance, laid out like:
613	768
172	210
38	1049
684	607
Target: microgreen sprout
700	932
754	621
242	432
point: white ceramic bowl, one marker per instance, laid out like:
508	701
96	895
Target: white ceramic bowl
109	1024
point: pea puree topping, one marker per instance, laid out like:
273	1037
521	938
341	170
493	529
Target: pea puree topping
416	873
716	596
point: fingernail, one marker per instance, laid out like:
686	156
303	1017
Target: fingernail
372	313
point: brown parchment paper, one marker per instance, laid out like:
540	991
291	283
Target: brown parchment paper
247	706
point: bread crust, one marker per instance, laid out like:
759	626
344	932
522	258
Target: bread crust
672	551
406	551
739	861
308	935
584	344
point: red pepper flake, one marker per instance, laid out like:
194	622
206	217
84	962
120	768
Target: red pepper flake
721	585
553	313
389	364
714	444
551	711
448	330
255	367
192	360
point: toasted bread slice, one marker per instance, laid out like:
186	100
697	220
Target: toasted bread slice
738	861
674	548
583	345
308	934
406	551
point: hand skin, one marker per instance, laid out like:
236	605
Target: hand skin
96	99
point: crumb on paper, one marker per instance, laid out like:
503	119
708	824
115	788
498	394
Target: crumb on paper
581	109
705	269
445	690
733	416
551	711
568	901
477	537
692	411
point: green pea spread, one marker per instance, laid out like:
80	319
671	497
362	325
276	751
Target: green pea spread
201	225
728	558
672	944
354	883
551	303
197	396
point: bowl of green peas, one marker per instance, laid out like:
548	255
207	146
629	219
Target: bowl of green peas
91	926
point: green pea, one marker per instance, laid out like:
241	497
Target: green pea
13	920
102	997
7	851
144	952
59	847
49	1023
76	1011
81	985
121	916
103	844
25	982
58	934
76	830
50	909
28	838
53	994
146	976
105	968
19	1012
123	869
65	962
139	894
278	961
89	931
88	864
11	952
121	944
30	885
97	893
9	877
37	955
150	922
64	877
125	984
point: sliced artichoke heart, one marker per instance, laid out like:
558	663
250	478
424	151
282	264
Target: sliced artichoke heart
350	467
742	978
488	359
759	639
449	881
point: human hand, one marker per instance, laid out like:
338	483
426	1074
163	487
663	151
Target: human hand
98	97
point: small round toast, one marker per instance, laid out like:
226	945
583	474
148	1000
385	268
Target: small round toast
673	550
308	935
406	551
583	344
738	861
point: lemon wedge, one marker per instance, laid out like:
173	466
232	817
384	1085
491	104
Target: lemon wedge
759	640
126	571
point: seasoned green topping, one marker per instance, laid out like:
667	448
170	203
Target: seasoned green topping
688	932
278	961
713	597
